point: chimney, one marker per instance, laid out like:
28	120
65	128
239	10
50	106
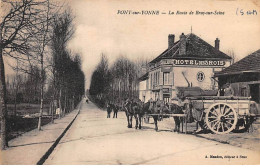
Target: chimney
217	43
171	38
182	47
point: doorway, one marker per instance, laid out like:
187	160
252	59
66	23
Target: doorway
254	92
166	98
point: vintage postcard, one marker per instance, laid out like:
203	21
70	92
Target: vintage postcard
133	82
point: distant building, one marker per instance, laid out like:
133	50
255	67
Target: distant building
244	77
188	62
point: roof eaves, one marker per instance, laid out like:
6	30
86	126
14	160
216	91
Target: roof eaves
144	77
235	73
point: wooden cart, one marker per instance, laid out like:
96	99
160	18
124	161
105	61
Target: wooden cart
222	113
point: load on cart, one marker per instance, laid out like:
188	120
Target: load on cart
220	114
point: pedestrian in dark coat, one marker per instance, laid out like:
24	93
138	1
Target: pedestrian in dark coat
109	110
116	108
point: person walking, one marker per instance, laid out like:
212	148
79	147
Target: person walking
115	109
109	110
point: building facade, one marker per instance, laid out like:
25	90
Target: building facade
244	77
189	62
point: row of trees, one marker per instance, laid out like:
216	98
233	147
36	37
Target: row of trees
35	33
23	88
117	82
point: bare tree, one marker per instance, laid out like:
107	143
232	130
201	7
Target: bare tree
232	54
17	28
116	83
43	42
62	32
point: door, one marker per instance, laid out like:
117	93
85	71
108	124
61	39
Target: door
254	92
166	98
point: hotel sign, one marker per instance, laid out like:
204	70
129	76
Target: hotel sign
198	62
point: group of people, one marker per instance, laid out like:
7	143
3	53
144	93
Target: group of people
226	90
112	107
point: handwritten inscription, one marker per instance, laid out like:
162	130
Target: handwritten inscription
246	12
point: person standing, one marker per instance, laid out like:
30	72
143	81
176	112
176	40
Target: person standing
109	110
229	91
115	109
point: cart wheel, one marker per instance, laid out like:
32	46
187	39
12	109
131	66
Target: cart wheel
221	118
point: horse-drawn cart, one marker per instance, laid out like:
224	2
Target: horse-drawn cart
223	114
220	114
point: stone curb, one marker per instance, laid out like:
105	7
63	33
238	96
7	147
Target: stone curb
50	150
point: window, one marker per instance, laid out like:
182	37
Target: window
158	73
166	78
172	79
200	76
166	98
244	92
158	77
151	82
155	78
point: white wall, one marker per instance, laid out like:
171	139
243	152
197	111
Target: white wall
143	92
191	75
142	85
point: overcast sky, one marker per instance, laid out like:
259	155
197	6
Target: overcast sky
99	29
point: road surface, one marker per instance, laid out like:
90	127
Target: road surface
95	140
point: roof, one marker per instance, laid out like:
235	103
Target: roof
248	64
144	77
196	48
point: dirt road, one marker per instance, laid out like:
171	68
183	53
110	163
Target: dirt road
94	139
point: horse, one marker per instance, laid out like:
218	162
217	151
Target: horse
160	107
127	107
137	107
176	109
109	109
194	111
133	108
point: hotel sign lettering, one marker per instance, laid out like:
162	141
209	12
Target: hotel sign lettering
199	62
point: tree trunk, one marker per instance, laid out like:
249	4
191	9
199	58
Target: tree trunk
3	112
15	99
50	108
52	111
60	104
65	105
73	105
44	43
15	102
16	89
42	83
